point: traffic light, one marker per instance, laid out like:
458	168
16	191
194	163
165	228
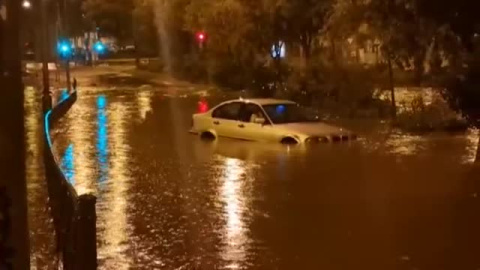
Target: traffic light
64	49
201	37
99	47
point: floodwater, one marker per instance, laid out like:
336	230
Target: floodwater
42	234
167	200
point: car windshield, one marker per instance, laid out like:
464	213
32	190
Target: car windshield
288	113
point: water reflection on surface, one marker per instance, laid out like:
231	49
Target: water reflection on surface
96	161
80	136
102	138
167	200
68	165
471	146
405	145
234	200
113	220
144	103
42	240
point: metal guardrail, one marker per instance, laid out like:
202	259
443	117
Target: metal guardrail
74	216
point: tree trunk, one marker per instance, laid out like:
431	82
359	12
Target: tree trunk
357	51
135	39
419	68
477	157
306	44
307	52
392	86
14	238
333	50
46	97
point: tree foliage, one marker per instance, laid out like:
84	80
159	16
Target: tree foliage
304	19
240	35
112	17
144	30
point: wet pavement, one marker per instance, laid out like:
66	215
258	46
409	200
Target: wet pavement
167	200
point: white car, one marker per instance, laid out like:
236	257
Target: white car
266	120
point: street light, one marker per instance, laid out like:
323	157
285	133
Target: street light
26	4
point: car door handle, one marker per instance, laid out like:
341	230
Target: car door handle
216	123
241	126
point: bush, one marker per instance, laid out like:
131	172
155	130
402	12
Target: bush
342	90
228	74
420	117
191	69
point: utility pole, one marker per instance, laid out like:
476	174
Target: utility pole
135	39
66	34
391	85
14	238
45	52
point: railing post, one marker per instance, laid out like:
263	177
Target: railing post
86	237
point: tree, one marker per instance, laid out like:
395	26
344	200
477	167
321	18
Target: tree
346	19
460	16
144	30
463	93
237	38
460	24
77	25
404	36
112	17
304	19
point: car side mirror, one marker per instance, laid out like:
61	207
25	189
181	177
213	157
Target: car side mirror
259	120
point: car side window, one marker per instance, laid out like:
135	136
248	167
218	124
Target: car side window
229	111
250	112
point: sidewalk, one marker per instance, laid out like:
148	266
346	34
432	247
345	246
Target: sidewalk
100	75
110	76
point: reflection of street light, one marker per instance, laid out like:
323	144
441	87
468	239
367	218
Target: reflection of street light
26	4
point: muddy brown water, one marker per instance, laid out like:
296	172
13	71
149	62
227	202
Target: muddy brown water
167	200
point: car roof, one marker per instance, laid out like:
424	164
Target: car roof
263	101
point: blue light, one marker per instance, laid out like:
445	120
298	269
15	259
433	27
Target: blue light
64	95
68	165
102	138
64	48
281	109
99	47
47	128
101	102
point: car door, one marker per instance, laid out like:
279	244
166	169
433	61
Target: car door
250	129
225	119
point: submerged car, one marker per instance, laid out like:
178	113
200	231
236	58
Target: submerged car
271	120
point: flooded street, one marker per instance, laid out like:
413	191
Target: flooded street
167	200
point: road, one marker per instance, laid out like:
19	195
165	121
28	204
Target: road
167	200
